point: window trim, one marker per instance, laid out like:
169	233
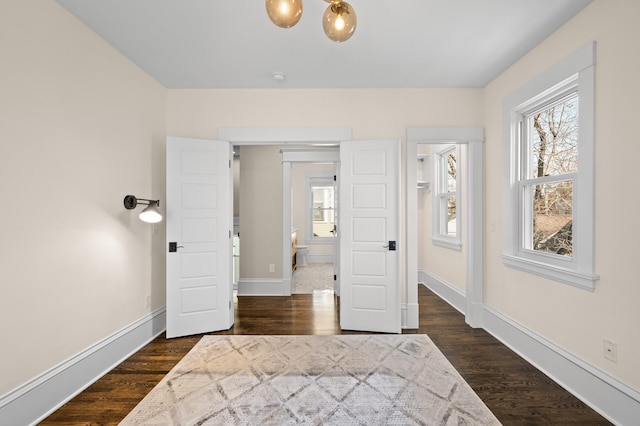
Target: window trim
578	70
437	237
326	176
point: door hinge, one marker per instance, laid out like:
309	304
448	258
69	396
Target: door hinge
335	278
229	163
334	178
229	304
229	234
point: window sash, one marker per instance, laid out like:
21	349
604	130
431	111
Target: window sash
319	180
441	235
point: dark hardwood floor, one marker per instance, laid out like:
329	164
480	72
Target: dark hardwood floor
516	392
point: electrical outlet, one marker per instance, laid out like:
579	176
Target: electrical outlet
610	350
272	267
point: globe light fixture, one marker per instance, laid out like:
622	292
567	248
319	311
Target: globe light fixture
339	21
284	13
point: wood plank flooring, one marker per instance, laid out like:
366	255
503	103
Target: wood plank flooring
516	392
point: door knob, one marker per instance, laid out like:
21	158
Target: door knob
391	246
173	247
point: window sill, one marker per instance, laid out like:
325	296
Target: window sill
450	244
581	280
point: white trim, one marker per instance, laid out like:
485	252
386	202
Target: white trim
581	280
445	290
264	287
611	398
287	226
284	136
311	155
410	316
38	398
579	271
449	244
473	137
411	233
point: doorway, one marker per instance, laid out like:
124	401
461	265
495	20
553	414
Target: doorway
471	302
270	274
309	204
314	211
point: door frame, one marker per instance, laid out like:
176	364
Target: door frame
325	136
472	137
290	156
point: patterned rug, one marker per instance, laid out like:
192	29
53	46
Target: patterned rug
313	277
319	380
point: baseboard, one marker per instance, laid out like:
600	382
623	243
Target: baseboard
41	396
445	290
617	402
320	258
262	287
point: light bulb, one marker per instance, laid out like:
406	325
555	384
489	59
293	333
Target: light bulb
284	13
339	21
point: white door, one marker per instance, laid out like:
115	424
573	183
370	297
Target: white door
369	230
336	229
199	240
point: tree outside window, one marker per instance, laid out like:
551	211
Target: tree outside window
551	148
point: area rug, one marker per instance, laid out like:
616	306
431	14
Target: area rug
315	380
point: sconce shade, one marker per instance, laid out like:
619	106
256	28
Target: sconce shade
339	21
151	214
284	13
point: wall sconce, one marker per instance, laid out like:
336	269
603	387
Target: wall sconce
151	214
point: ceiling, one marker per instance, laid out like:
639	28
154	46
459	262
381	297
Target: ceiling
397	43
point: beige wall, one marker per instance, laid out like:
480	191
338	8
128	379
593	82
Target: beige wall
260	212
575	319
371	113
80	128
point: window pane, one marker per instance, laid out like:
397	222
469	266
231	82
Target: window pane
323	212
451	172
451	216
553	136
324	227
553	218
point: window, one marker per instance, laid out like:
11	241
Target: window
446	208
549	203
320	207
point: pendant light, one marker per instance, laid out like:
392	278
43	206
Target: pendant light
284	13
339	21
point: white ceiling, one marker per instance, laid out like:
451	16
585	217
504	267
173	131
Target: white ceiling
397	43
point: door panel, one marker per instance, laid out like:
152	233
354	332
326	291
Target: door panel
369	218
199	220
